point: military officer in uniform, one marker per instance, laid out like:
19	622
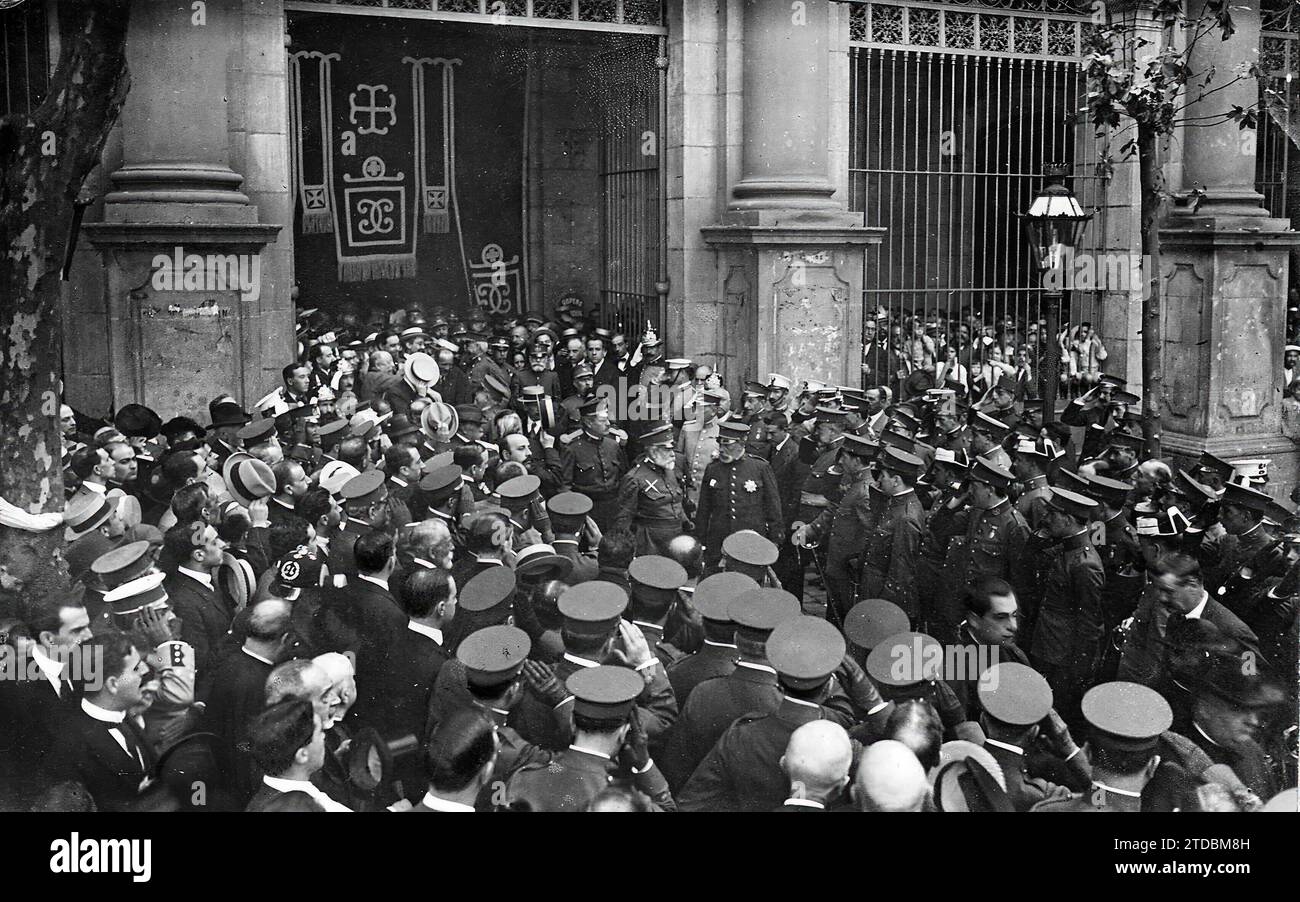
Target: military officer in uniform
909	665
594	633
742	772
948	473
717	657
1068	632
738	492
845	527
894	542
1032	460
992	544
592	463
569	512
750	687
655	581
651	501
1125	720
1016	715
607	744
493	659
365	500
987	435
1120	555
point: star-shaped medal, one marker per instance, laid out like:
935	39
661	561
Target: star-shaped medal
751	485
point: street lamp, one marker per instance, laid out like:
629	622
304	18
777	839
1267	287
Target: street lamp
1054	227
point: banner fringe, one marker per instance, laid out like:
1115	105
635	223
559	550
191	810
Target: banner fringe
437	222
317	222
394	267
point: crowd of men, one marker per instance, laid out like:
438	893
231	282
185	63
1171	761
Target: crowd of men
484	564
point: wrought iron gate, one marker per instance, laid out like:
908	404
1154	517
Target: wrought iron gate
955	109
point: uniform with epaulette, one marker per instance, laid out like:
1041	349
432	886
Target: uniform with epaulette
844	528
889	558
1068	633
651	501
1248	554
738	495
594	466
1124	718
574	776
742	771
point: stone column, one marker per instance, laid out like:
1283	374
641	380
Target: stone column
176	340
1224	282
789	251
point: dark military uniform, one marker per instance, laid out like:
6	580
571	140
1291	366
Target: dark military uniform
714	659
594	466
742	771
1067	638
942	524
1032	503
651	503
712	707
740	495
570	780
845	529
1121	557
993	545
890	557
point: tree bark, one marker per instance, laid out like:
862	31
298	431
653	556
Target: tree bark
1150	181
45	157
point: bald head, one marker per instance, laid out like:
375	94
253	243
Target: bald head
889	778
817	760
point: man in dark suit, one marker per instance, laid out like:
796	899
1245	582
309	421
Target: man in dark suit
363	615
239	692
103	744
288	745
718	656
1177	596
459	761
487	539
204	612
393	687
33	711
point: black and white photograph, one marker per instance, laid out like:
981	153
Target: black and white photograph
653	406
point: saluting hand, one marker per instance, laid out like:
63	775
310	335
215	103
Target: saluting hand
635	753
542	683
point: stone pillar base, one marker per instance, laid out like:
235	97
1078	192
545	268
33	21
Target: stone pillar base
177	339
794	279
1224	283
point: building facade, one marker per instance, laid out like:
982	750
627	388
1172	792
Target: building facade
756	178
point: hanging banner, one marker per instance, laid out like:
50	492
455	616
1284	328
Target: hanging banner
311	120
433	86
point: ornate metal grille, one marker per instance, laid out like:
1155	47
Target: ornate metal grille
605	15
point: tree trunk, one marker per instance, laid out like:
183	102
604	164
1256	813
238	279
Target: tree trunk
1153	331
44	160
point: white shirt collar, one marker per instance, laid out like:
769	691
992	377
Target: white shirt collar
432	801
752	666
95	487
1196	612
204	578
434	634
373	579
805	803
306	786
578	748
719	644
102	714
256	657
1002	745
581	662
52	669
799	701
